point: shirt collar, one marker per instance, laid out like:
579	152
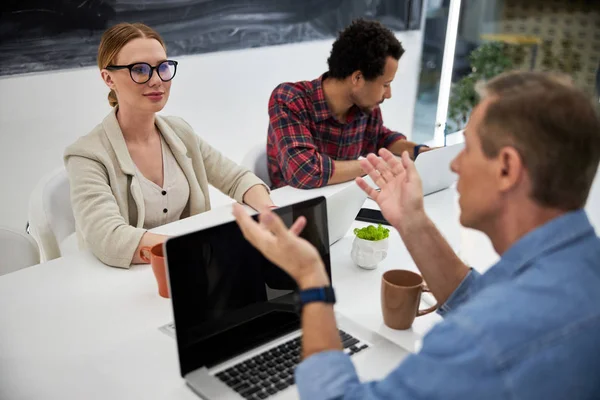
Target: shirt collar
545	239
322	111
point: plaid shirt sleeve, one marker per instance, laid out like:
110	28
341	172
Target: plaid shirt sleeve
386	137
301	163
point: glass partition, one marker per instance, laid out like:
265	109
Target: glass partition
494	36
541	35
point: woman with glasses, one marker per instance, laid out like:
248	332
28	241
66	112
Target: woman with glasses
137	170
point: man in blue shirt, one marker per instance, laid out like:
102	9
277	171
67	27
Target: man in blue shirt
529	328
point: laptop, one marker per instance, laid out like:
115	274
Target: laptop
342	208
236	324
434	168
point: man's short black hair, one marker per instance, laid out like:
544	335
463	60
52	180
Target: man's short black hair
363	46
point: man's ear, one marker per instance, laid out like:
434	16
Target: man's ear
356	77
107	78
511	168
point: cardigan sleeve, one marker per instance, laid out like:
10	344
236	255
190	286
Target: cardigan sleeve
227	176
221	172
97	215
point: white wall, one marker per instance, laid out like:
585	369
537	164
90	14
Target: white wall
223	95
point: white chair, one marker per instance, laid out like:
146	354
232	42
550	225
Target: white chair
18	250
256	161
51	220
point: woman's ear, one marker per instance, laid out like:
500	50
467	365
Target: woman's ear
107	78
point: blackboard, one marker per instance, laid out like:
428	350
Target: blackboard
42	35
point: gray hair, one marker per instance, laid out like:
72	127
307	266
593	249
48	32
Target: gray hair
554	127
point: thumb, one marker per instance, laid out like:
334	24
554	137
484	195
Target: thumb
409	166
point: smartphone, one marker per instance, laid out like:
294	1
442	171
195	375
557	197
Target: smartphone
373	216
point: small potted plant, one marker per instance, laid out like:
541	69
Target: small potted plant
370	246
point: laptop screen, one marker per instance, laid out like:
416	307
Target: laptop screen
227	298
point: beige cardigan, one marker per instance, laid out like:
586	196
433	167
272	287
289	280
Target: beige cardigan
106	196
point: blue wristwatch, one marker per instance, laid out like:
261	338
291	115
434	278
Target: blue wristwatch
416	150
322	294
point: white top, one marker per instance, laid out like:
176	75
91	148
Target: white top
164	204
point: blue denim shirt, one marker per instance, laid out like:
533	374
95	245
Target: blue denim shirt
529	328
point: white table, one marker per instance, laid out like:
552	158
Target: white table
73	328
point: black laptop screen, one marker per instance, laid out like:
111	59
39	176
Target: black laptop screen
227	298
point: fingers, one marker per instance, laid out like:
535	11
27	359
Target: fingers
298	226
269	220
237	209
367	166
409	166
248	226
371	192
382	167
240	214
375	173
372	165
273	223
388	156
250	229
392	161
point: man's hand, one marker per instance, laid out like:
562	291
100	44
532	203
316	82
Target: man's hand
401	192
401	201
400	146
426	149
302	261
284	247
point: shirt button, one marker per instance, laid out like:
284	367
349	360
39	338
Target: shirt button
164	192
165	210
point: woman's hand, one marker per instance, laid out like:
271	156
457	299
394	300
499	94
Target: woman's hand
258	198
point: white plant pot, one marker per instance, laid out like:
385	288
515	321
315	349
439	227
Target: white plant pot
368	253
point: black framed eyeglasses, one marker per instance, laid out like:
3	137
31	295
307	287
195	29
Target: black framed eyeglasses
142	72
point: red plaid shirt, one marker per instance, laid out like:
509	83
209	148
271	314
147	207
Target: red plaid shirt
304	136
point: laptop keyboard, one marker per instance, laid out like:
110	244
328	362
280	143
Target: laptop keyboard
273	370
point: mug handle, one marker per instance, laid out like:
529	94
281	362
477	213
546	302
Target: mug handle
143	256
427	310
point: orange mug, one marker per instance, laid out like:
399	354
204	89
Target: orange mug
154	256
400	297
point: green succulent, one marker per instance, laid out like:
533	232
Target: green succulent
372	232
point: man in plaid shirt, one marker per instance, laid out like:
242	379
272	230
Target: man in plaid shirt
318	129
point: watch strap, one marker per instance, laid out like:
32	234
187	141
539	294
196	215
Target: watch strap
323	294
417	150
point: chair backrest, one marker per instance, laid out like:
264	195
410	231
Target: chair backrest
51	218
256	161
18	250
